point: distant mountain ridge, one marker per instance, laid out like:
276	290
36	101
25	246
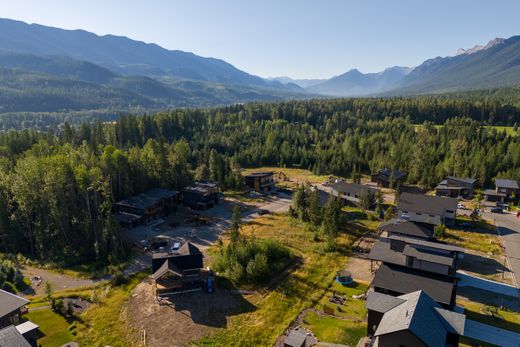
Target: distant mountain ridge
355	83
478	48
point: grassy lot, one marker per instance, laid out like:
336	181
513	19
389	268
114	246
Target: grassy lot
480	237
303	287
508	130
105	323
494	316
54	326
243	197
295	175
348	325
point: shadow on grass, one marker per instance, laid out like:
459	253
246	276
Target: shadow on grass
482	265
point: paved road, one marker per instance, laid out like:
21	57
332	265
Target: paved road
491	334
508	227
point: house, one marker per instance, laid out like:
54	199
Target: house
145	207
387	177
411	320
397	280
350	193
178	272
261	182
12	307
455	187
505	190
201	195
427	209
400	227
11	337
417	254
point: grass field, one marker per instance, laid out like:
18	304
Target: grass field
52	325
481	237
304	287
293	174
500	318
105	323
508	129
348	325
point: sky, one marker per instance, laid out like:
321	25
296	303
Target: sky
295	38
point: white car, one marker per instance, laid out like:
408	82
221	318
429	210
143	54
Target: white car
461	207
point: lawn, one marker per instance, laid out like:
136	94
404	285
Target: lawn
348	325
480	237
54	326
293	174
303	287
494	316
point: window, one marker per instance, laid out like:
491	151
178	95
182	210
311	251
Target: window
450	211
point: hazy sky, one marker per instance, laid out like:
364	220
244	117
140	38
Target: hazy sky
296	38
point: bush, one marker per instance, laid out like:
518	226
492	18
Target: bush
439	231
118	278
9	287
252	261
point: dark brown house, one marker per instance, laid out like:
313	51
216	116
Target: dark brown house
178	272
12	307
261	182
387	177
455	187
411	320
505	190
146	207
201	195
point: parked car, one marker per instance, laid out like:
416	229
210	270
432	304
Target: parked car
465	225
496	210
175	246
461	207
262	211
503	206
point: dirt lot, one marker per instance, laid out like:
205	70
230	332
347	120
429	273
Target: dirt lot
489	267
358	264
58	281
193	315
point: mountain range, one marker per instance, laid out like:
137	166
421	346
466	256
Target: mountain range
46	69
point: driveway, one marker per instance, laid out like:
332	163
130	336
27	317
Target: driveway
58	281
508	226
491	334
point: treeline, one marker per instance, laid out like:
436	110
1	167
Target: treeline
57	188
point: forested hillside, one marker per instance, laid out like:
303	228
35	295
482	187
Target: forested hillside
57	189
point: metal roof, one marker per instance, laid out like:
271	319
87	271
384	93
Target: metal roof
427	204
505	183
10	302
352	188
25	327
428	256
260	174
464	180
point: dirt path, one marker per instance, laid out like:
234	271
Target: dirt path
58	281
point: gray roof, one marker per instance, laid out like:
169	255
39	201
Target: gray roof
381	251
10	302
431	244
296	338
148	198
425	255
387	173
381	303
427	204
11	337
463	180
505	183
493	192
167	266
404	280
260	174
201	187
352	188
408	228
423	317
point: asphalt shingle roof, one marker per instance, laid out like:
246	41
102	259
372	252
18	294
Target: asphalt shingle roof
404	280
11	337
431	244
422	316
427	204
10	302
148	198
407	228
